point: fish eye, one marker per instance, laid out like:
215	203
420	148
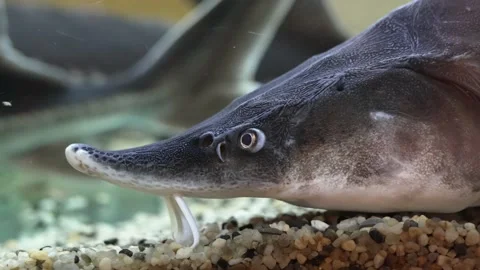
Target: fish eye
252	140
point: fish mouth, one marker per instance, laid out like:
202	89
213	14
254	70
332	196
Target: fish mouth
79	158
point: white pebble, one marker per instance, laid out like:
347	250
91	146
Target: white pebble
175	246
164	259
391	222
268	250
183	253
23	256
319	225
360	219
105	264
469	226
155	261
235	261
127	260
383	228
75	203
348	225
200	256
12	263
219	243
39	255
257	236
397	228
214	258
66	258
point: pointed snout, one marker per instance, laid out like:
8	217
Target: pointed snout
79	157
162	167
73	153
112	166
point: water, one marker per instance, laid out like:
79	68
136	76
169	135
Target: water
40	117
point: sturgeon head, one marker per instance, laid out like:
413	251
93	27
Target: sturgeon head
243	150
391	112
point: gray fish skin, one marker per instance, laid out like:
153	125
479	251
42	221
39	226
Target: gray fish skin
387	121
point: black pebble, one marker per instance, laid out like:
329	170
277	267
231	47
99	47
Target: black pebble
112	241
409	223
332	227
297	223
293	264
232	222
148	245
142	241
328	248
139	256
127	252
398	218
76	259
247	226
141	247
460	249
222	263
370	222
317	260
269	230
225	236
377	236
235	234
330	234
250	253
355	267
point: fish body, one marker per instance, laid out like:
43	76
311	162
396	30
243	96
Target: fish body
386	121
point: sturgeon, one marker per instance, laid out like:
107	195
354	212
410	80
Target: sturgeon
386	121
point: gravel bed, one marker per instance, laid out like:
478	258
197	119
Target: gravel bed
312	240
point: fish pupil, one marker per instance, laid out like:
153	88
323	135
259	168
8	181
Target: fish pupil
247	139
